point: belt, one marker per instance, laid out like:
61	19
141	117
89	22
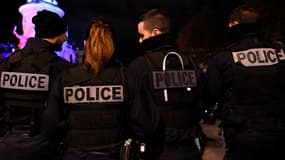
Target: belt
179	136
270	124
257	124
103	150
23	132
94	153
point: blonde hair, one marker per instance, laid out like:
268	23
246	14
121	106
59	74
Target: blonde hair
99	45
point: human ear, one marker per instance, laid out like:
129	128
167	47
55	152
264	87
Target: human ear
233	23
156	32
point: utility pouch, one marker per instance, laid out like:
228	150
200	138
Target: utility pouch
132	150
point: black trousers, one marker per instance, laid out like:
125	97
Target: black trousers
255	145
18	147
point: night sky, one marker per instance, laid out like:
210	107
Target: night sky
122	13
211	18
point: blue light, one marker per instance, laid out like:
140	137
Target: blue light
5	55
52	2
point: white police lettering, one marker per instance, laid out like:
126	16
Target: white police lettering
24	81
174	79
259	57
92	94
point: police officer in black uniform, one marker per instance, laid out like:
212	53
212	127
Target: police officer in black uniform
26	77
88	101
247	79
165	98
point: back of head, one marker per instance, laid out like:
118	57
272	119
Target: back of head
99	44
244	15
48	24
156	18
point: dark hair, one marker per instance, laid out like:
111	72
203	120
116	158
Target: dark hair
48	24
156	18
245	14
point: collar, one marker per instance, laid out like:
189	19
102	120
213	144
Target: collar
38	45
244	31
159	43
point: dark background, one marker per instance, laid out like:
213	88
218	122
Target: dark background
199	24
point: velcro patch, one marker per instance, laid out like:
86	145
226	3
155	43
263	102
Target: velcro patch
174	79
92	94
24	81
258	57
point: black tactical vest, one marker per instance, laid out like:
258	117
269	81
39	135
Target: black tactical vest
258	85
173	81
24	87
96	107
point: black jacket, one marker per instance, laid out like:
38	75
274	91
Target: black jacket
57	118
144	114
220	72
35	56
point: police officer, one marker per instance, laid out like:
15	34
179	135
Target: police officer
87	102
247	78
165	102
26	77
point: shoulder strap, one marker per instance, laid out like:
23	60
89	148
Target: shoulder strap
153	58
76	74
13	60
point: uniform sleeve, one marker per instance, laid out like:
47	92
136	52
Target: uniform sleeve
201	80
144	117
51	115
218	77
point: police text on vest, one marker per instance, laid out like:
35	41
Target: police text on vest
174	79
24	81
259	57
92	94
